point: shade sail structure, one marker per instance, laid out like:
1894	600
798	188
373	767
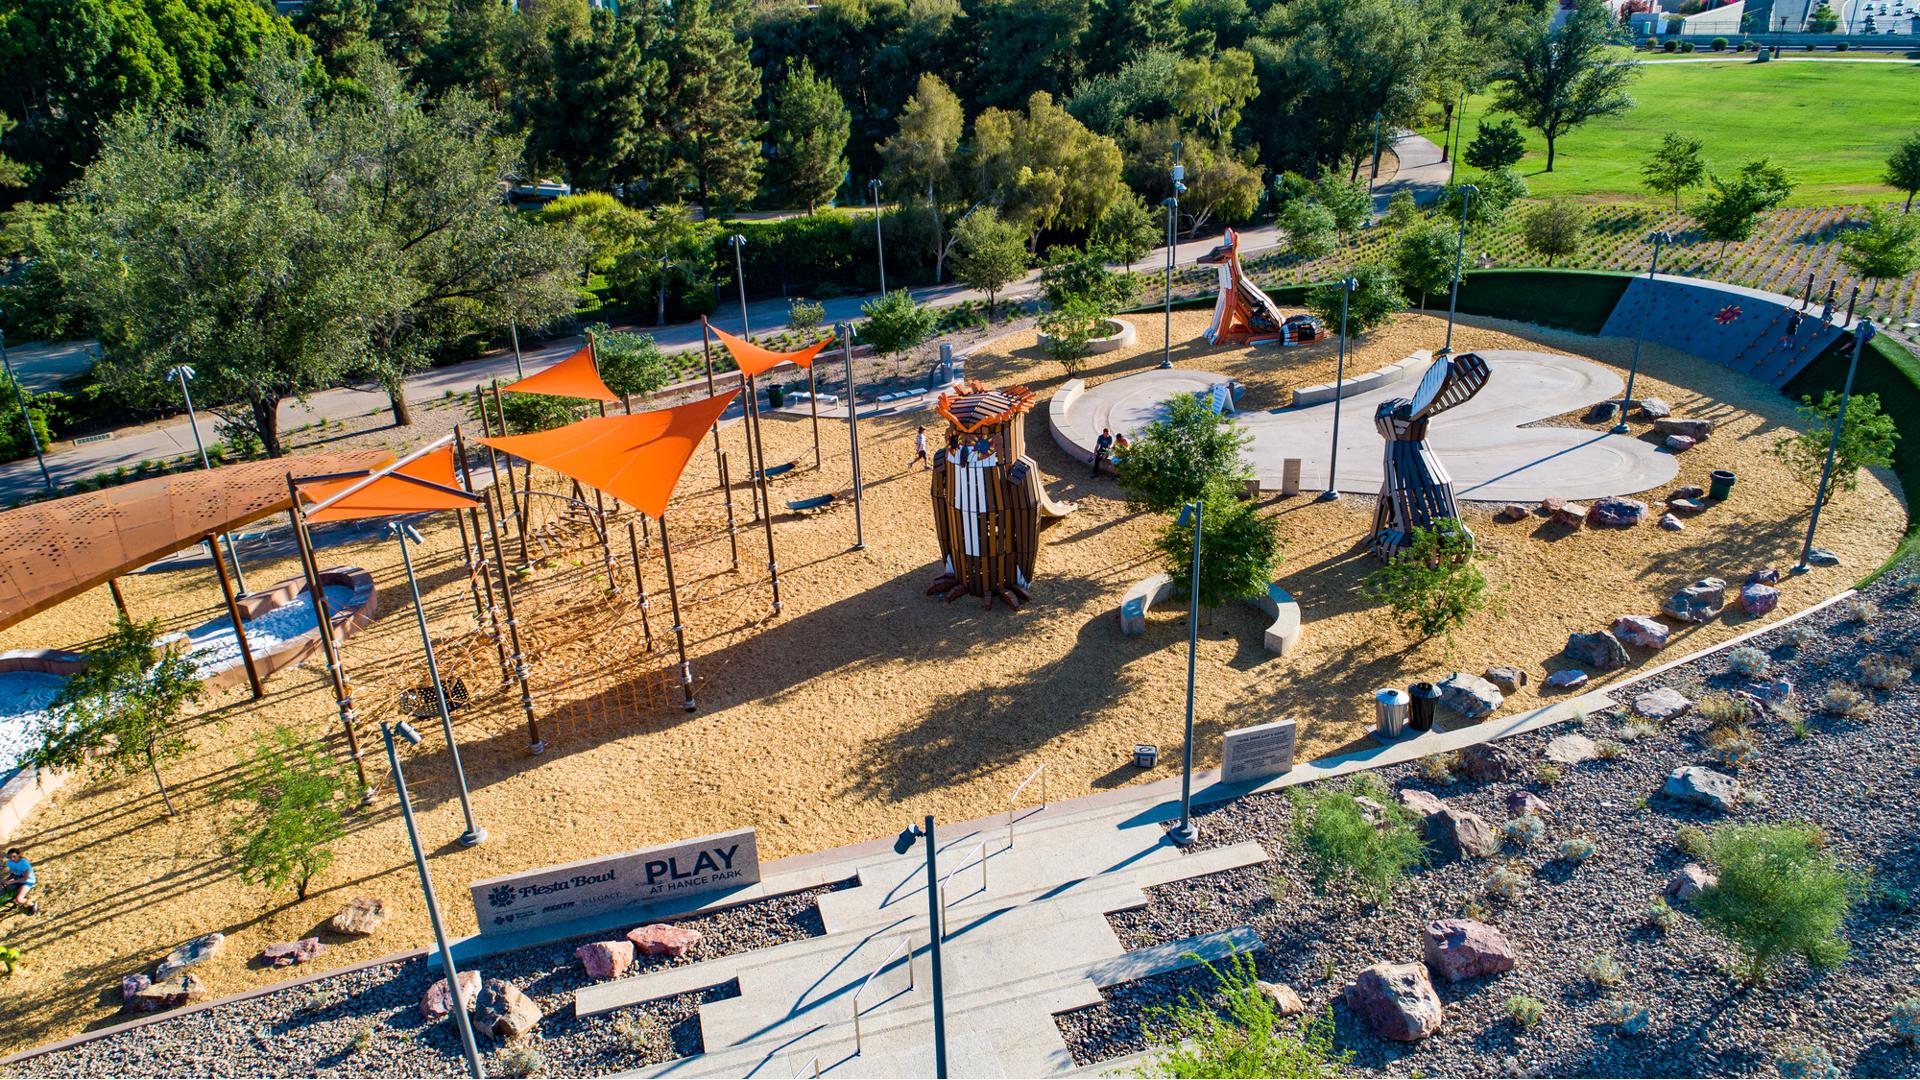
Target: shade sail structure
637	459
423	484
574	377
55	550
754	360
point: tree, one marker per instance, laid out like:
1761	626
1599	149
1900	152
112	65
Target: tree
1347	200
895	324
1823	20
1557	78
1221	181
714	137
1035	48
1903	167
1074	273
1555	228
1067	331
990	254
1239	1031
629	363
1127	231
118	713
1210	92
808	126
1498	147
294	793
1310	229
1887	247
1179	456
671	254
804	316
1239	548
923	153
1326	69
1044	170
1779	893
1141	91
1376	298
1402	211
1121	31
598	115
12	173
605	228
1732	209
1424	259
1865	442
14	443
1675	166
1435	585
1493	195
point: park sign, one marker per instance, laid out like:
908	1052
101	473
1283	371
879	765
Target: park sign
1257	752
670	872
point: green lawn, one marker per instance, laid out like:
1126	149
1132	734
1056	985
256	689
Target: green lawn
1831	124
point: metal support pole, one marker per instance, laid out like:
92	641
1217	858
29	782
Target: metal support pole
182	372
519	514
1347	286
639	583
679	630
1166	343
433	910
740	277
1459	134
1184	834
1467	192
706	345
480	553
766	496
879	244
119	598
535	744
1861	335
474	834
935	931
726	489
329	648
26	417
519	368
813	405
1640	331
233	613
853	436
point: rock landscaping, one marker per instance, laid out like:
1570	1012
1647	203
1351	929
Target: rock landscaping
1627	987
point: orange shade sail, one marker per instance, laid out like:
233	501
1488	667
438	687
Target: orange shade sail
426	483
574	377
754	360
637	459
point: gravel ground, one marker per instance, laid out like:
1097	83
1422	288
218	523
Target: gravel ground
1859	780
367	1022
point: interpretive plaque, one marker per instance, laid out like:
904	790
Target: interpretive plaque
1251	753
678	871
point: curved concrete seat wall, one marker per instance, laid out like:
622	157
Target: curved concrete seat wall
22	790
1360	384
1282	610
360	609
1077	444
1119	335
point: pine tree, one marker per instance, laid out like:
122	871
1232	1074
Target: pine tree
594	118
710	121
808	125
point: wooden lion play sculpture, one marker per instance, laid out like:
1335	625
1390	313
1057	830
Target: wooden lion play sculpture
1243	315
1417	490
987	498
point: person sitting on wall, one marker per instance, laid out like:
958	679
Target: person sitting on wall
1101	448
20	882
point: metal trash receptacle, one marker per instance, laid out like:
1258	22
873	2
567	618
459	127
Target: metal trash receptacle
1390	709
1426	698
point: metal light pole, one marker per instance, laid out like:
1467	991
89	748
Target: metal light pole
1374	173
902	845
1459	133
1862	333
853	435
433	905
20	396
1172	203
879	244
1640	332
740	276
474	834
1467	192
519	370
1184	834
184	372
1347	285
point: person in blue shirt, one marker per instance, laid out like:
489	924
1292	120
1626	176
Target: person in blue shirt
20	882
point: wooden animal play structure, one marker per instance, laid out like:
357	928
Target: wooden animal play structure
987	497
1246	316
1417	490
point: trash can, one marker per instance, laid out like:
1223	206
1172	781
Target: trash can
776	396
1426	697
1721	484
1390	713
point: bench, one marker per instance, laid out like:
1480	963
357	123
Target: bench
815	503
1283	611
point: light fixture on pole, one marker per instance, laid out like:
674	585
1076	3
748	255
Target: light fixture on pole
1373	173
407	533
1862	333
26	418
426	888
1172	203
184	372
740	276
901	845
1467	192
1347	285
879	245
1640	332
1184	834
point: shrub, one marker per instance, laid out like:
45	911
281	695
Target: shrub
1376	298
1805	1061
1640	729
1801	636
1243	1035
1669	45
1839	699
523	1058
1077	273
1779	894
9	959
1576	850
1905	1021
1525	830
1239	548
1603	971
1069	332
1884	672
1507	882
1435	585
1438	769
1546	774
1661	916
1180	456
1858	608
1748	661
1692	840
1718	44
1609	749
805	316
1340	841
1526	1011
293	814
1731	747
1723	710
1686	46
1555	228
1629	1018
642	1033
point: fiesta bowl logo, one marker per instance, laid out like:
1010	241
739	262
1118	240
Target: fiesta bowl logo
500	896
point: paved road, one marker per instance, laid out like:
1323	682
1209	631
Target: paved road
1483	443
1421	172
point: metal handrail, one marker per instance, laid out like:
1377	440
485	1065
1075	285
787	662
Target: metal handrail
811	1068
905	943
980	847
1040	772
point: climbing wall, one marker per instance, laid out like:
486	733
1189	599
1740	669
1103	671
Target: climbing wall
1743	329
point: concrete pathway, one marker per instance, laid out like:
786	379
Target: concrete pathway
1483	444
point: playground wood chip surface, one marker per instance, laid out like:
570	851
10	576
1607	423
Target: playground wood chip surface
866	703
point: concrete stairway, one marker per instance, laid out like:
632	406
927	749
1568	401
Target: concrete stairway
1029	941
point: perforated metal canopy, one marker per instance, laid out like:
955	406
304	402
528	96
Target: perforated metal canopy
55	550
980	407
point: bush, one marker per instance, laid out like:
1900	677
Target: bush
1239	548
1718	44
1526	1011
1779	894
1839	699
1180	456
1693	842
1555	228
1686	46
642	1033
522	1058
1376	298
1525	830
1629	1018
1731	747
1068	332
1435	585
1905	1021
895	324
1748	661
294	814
1079	273
1723	710
1669	45
1439	769
1507	882
1576	850
1806	1061
1603	971
1661	916
1884	672
1341	840
1241	1033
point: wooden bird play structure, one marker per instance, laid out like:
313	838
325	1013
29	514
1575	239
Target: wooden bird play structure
1417	490
1244	315
987	498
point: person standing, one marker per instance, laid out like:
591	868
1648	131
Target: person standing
1101	448
20	882
920	447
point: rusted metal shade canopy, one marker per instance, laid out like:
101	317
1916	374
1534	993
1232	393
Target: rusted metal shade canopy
55	550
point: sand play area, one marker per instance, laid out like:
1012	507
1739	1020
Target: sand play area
865	703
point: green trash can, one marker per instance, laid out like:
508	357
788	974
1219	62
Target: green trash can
776	396
1720	485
